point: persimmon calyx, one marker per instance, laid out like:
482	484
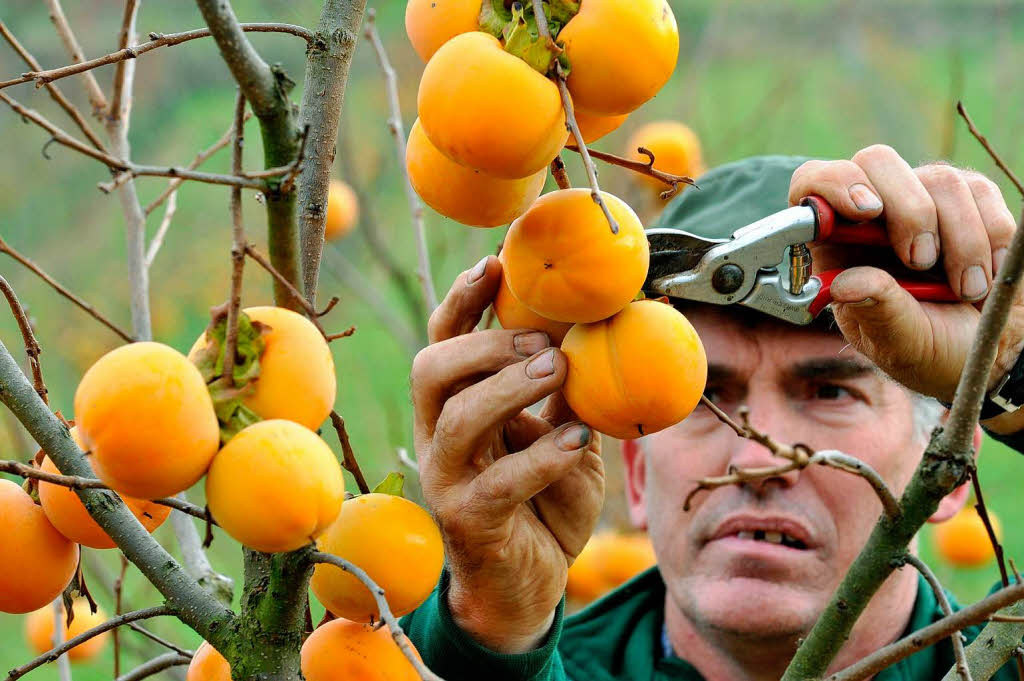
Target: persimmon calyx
523	40
393	484
494	16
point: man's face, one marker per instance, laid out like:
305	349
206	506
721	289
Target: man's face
765	557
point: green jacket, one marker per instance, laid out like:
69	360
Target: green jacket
619	637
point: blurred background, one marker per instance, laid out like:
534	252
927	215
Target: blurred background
822	79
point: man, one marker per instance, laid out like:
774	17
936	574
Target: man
746	572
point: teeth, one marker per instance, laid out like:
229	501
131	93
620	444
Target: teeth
744	535
773	537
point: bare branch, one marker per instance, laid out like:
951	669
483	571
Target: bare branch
162	641
54	91
395	125
558	172
327	65
51	655
349	461
237	245
979	505
341	334
165	224
962	110
962	668
6	248
122	76
408	461
280	279
385	612
67	36
647	168
32	348
155	666
63	661
118	605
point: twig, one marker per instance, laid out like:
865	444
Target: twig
558	172
408	461
349	461
67	36
962	110
155	666
343	334
63	661
395	125
118	591
570	115
963	670
157	639
113	622
54	91
1006	618
122	73
643	167
237	245
330	306
385	611
979	505
156	40
251	251
930	635
32	348
6	248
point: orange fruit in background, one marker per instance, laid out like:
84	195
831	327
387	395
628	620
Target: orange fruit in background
512	314
594	126
676	150
394	541
296	380
563	262
621	53
431	23
489	110
342	210
469	196
66	511
963	541
39	630
144	414
275	486
341	650
608	560
208	665
36	561
636	373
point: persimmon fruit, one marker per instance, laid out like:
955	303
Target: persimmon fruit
512	314
341	650
36	561
146	418
595	126
66	511
638	372
431	23
398	545
676	150
621	53
489	110
296	379
963	541
608	560
208	665
342	210
39	630
564	263
469	196
275	486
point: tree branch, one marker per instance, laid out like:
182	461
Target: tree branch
122	74
157	639
155	666
395	125
349	462
6	248
961	666
32	348
237	245
644	168
67	36
327	64
385	611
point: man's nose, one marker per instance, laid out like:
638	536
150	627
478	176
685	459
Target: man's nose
769	418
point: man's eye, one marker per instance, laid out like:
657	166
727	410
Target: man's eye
829	391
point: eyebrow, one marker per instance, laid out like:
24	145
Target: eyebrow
831	367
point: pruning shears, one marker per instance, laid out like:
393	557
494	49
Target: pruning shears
743	269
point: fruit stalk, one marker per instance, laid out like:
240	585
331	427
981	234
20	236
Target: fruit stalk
327	64
237	244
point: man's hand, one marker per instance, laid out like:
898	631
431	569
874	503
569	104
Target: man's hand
936	216
516	495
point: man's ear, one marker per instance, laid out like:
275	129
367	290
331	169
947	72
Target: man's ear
955	500
636	480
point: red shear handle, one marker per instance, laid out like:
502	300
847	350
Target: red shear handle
931	291
840	231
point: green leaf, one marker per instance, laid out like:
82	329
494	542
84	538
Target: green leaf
393	484
523	40
493	17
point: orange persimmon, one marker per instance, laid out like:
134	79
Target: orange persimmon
431	23
208	665
146	418
341	650
621	53
635	373
676	150
342	210
469	196
39	630
512	314
563	262
608	560
963	541
489	110
595	126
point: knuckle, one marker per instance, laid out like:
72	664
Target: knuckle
940	178
982	187
874	154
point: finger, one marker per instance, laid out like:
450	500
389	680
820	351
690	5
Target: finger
524	429
995	214
474	413
572	504
443	369
910	215
843	184
469	296
557	411
515	478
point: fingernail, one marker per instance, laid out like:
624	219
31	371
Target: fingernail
477	271
541	365
923	251
529	344
973	284
867	302
864	198
575	436
997	260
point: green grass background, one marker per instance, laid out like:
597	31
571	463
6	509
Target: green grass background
801	77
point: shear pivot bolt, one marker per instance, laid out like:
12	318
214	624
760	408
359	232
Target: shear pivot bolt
727	278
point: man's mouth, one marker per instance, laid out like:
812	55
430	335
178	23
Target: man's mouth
772	538
779	530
